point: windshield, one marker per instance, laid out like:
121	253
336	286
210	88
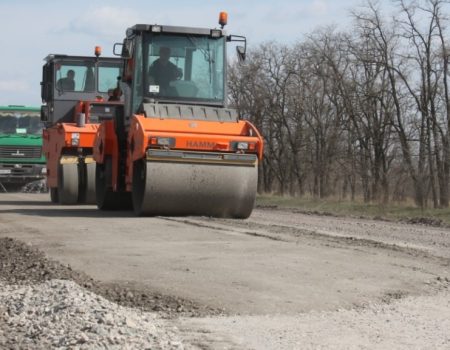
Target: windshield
20	122
80	76
75	76
184	67
107	76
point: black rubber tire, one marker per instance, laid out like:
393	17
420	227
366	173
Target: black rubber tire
89	185
139	180
54	195
106	198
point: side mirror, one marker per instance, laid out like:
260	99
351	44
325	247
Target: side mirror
47	82
43	92
117	49
44	113
124	50
241	53
241	50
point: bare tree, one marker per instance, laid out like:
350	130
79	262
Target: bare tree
365	111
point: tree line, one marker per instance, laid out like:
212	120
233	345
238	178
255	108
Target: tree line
360	113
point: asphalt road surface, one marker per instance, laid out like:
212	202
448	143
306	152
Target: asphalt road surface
284	280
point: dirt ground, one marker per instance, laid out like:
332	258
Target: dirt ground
278	280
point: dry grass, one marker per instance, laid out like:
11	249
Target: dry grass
357	208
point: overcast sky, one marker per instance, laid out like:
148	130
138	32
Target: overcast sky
31	29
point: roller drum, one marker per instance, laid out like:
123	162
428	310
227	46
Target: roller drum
68	184
171	188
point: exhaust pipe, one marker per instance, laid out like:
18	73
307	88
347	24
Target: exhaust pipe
81	120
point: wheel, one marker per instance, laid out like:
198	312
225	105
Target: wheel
106	198
89	184
68	184
103	190
139	180
54	195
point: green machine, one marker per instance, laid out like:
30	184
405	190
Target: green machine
21	158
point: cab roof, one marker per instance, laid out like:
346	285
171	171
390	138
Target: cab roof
155	28
51	57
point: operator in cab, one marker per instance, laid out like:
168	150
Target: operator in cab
67	83
162	72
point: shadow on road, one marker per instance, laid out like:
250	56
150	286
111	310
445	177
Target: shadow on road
67	212
24	202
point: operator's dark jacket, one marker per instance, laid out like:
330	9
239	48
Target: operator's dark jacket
66	84
164	74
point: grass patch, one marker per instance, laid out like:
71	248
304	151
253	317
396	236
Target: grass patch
397	212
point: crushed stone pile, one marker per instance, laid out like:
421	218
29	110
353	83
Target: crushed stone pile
61	314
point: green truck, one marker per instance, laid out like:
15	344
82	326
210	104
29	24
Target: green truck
21	158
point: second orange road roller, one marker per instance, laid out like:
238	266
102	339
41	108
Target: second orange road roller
75	90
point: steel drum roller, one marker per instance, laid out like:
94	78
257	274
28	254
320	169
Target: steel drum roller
175	188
